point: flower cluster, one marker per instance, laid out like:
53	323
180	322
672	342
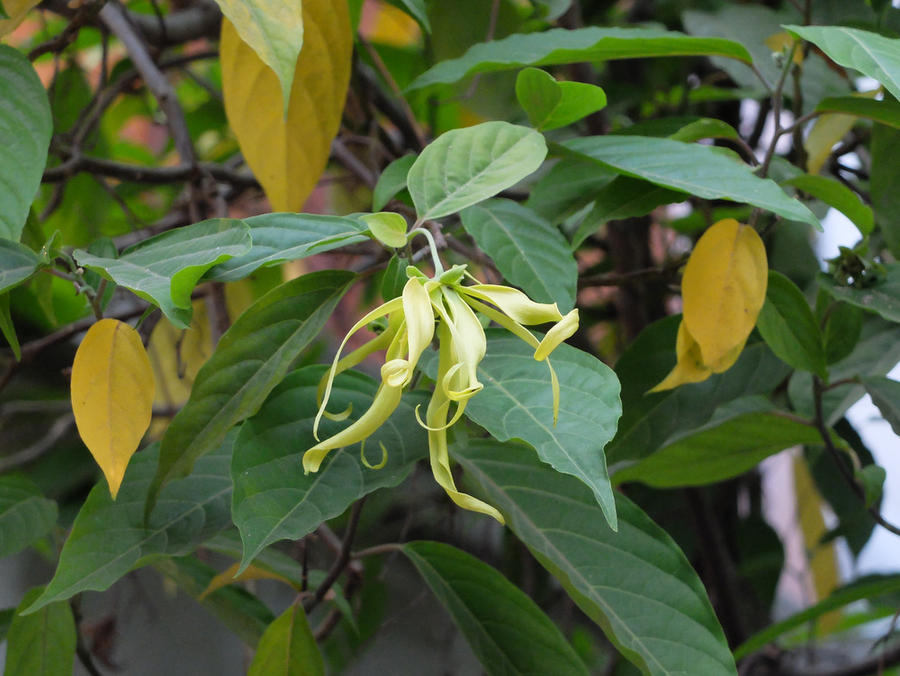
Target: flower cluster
444	306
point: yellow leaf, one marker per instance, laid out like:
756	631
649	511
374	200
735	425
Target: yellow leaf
387	25
689	368
724	288
274	30
112	395
288	154
827	131
227	577
16	9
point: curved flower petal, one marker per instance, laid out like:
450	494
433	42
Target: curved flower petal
514	303
386	400
380	311
419	318
562	330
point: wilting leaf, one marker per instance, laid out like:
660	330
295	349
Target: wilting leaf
288	154
112	395
724	288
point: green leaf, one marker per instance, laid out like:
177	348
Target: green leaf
288	648
694	169
6	618
274	30
110	538
705	127
882	297
240	611
517	403
842	329
719	453
7	328
394	278
17	263
527	250
869	53
886	112
465	166
865	588
883	182
569	186
650	421
387	227
507	631
876	353
551	104
391	181
25	514
560	46
250	360
165	269
273	499
24	139
625	197
787	324
41	644
282	237
836	195
3	14
635	584
885	394
871	478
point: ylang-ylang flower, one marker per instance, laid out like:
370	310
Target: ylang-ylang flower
444	306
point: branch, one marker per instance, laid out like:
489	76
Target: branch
117	21
341	562
148	175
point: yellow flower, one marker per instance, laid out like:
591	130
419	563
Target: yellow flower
445	301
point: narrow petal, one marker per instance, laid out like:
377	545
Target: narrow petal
468	341
509	324
562	330
383	405
514	303
419	318
380	311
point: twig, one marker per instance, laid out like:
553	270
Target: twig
83	15
340	152
342	560
56	432
149	175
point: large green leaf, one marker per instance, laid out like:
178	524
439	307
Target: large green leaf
284	237
876	353
391	181
719	453
43	643
17	263
569	186
25	129
165	269
25	514
250	360
507	631
885	394
636	584
274	30
273	499
837	195
110	538
883	296
559	46
691	168
885	112
465	166
869	53
517	403
527	250
288	648
787	324
650	421
865	588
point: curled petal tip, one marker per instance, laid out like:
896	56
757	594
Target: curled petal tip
560	332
